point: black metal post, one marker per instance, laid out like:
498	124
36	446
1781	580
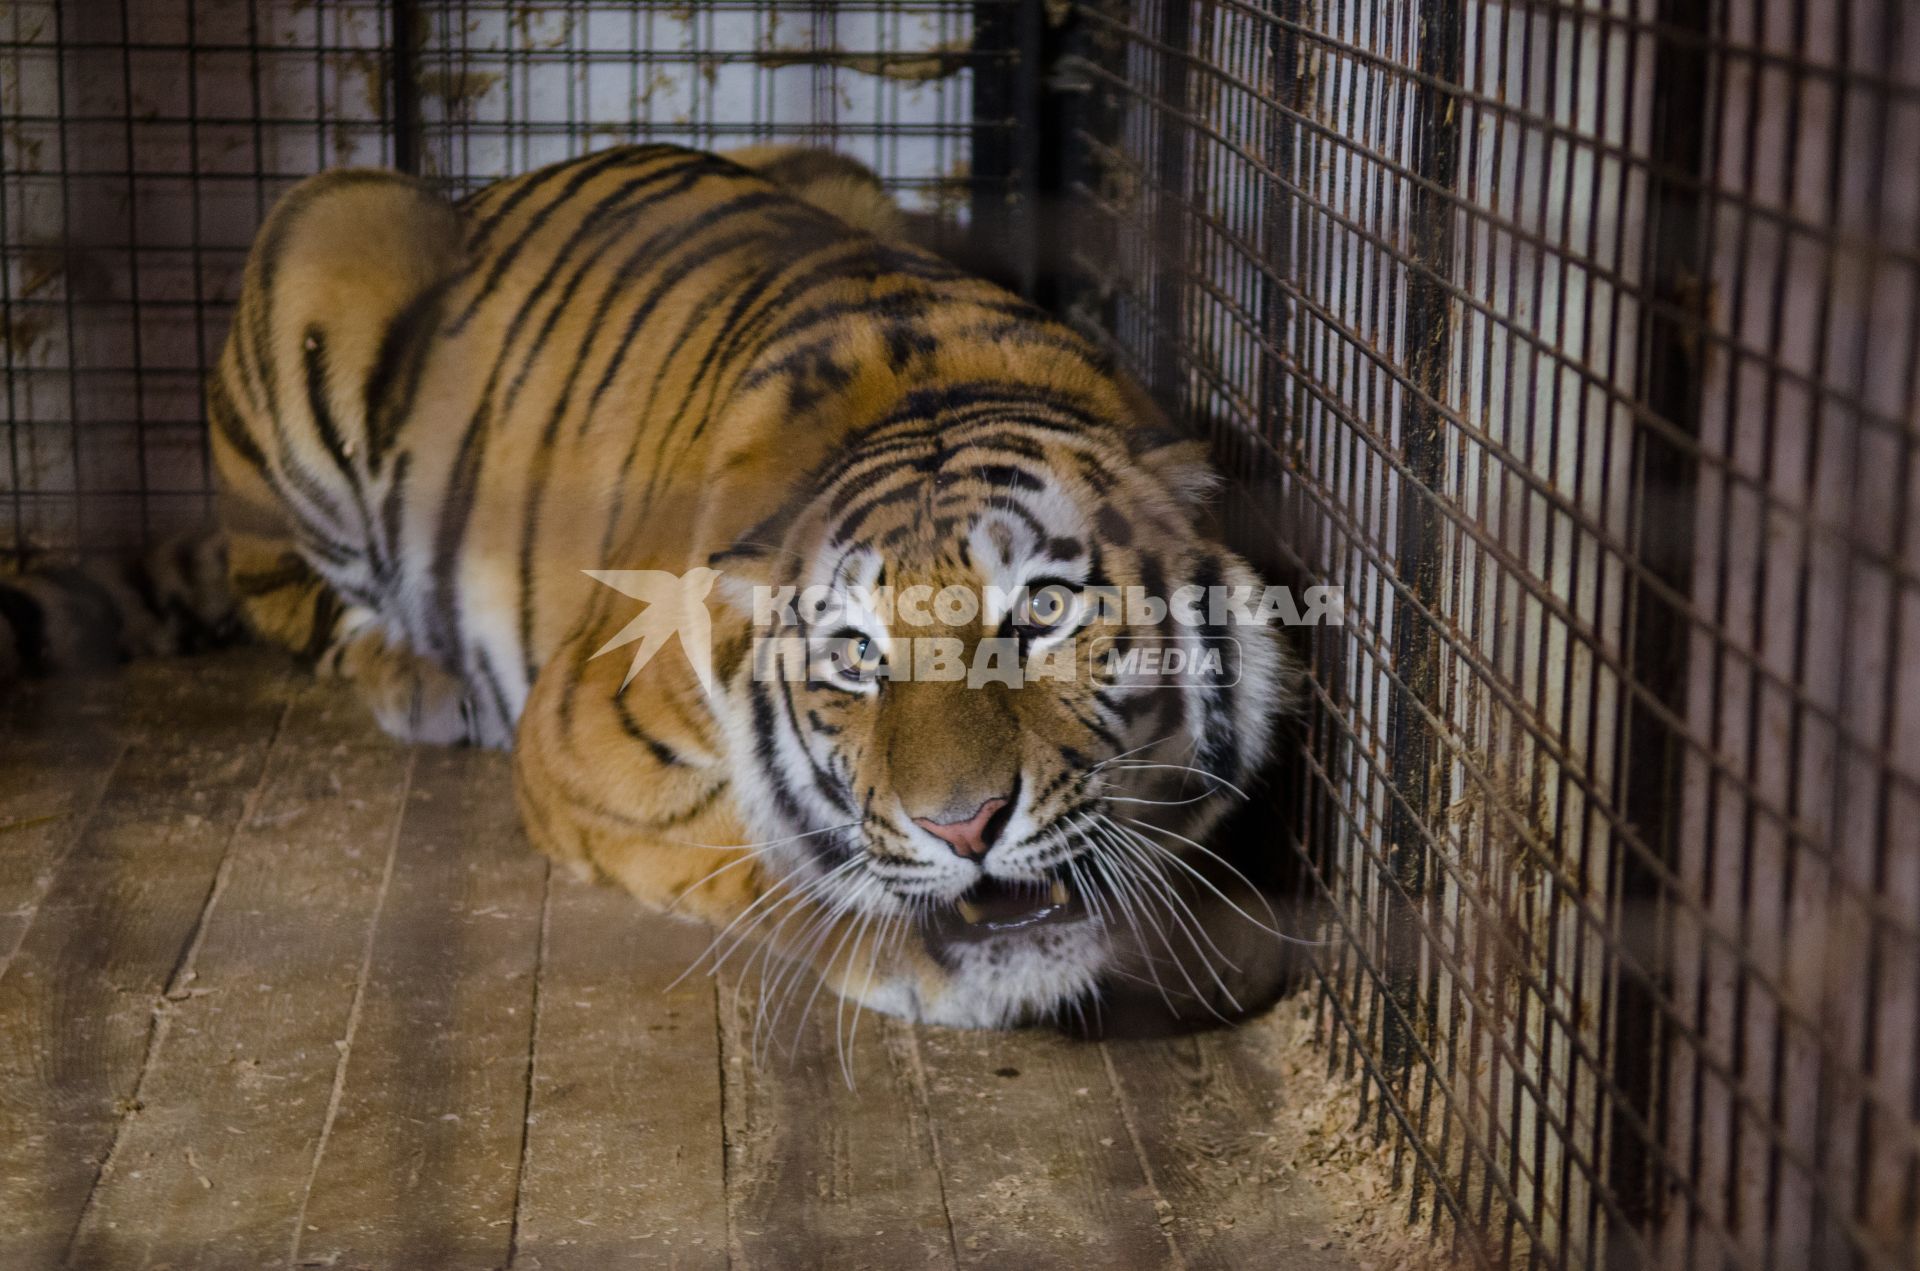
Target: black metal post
403	78
1173	179
1663	484
1007	138
1417	554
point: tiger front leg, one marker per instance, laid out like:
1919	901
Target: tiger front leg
283	600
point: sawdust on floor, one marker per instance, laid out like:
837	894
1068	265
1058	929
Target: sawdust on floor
1327	1149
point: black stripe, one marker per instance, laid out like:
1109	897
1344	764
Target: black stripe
403	349
325	616
533	182
857	516
824	783
705	800
666	281
583	171
393	506
1220	746
803	240
490	677
456	507
1007	507
314	359
1008	477
614	207
226	422
458	497
671	241
766	753
536	486
266	256
662	753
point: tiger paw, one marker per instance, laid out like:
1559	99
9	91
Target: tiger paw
412	697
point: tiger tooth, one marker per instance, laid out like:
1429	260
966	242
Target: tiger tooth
969	910
1058	893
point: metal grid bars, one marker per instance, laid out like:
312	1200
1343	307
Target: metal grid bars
1576	342
143	142
140	144
505	87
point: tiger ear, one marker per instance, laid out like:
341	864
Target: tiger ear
752	561
743	569
1183	463
1178	458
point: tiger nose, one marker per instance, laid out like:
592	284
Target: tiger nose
969	838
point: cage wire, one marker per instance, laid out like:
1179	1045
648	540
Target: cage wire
144	140
1574	339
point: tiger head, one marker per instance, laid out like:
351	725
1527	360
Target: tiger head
946	726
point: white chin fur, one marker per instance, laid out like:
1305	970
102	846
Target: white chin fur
1007	980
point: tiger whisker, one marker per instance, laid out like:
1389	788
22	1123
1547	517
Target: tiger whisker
1160	803
793	903
1125	901
1110	759
816	935
881	939
791	838
792	977
1150	889
1129	841
806	946
851	943
1180	767
778	968
1087	893
1157	885
1228	865
704	879
780	895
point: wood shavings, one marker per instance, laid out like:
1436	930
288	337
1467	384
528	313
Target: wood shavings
1321	1142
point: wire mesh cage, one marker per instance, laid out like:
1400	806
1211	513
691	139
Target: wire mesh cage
1575	341
145	141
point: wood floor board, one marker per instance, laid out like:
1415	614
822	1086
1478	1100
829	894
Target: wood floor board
1204	1112
830	1155
79	999
1040	1170
625	1163
211	1171
420	1163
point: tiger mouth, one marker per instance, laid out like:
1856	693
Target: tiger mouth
995	907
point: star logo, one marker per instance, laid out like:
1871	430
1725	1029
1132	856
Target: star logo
676	606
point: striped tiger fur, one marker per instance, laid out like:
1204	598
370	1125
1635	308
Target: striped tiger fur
431	420
168	600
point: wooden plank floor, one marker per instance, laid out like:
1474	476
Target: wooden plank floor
276	991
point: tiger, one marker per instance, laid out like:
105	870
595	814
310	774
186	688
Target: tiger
441	430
